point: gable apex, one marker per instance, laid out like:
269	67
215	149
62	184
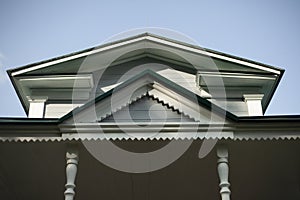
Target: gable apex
153	84
146	37
233	70
147	109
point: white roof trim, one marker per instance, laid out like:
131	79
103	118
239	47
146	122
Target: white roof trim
189	109
214	55
170	131
77	56
165	100
154	39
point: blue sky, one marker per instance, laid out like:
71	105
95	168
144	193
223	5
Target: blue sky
264	31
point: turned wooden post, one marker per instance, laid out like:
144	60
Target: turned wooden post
71	170
223	171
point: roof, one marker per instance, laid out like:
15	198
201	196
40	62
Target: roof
233	128
164	50
211	52
152	77
244	128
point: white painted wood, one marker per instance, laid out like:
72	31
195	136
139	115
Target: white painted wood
188	106
63	94
118	74
237	107
147	109
147	42
239	114
36	107
71	171
152	131
185	80
213	55
58	81
260	131
57	110
124	97
254	104
223	171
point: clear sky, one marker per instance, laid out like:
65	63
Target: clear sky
264	31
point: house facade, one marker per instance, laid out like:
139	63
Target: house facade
148	117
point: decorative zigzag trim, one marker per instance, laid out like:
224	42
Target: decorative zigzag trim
153	97
60	139
121	107
172	107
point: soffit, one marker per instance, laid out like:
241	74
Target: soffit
188	56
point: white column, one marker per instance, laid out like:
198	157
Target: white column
253	102
71	171
36	107
223	171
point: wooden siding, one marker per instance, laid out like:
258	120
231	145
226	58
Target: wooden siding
115	75
147	109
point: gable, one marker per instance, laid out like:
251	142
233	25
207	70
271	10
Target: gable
203	65
115	75
149	84
147	109
144	45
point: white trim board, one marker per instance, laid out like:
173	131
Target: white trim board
152	39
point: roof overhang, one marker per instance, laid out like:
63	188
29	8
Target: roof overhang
233	128
146	42
53	87
238	84
244	128
194	59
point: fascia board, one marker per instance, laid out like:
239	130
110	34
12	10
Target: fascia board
247	128
152	38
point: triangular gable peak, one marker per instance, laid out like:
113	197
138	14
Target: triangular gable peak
143	45
147	109
53	80
151	84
